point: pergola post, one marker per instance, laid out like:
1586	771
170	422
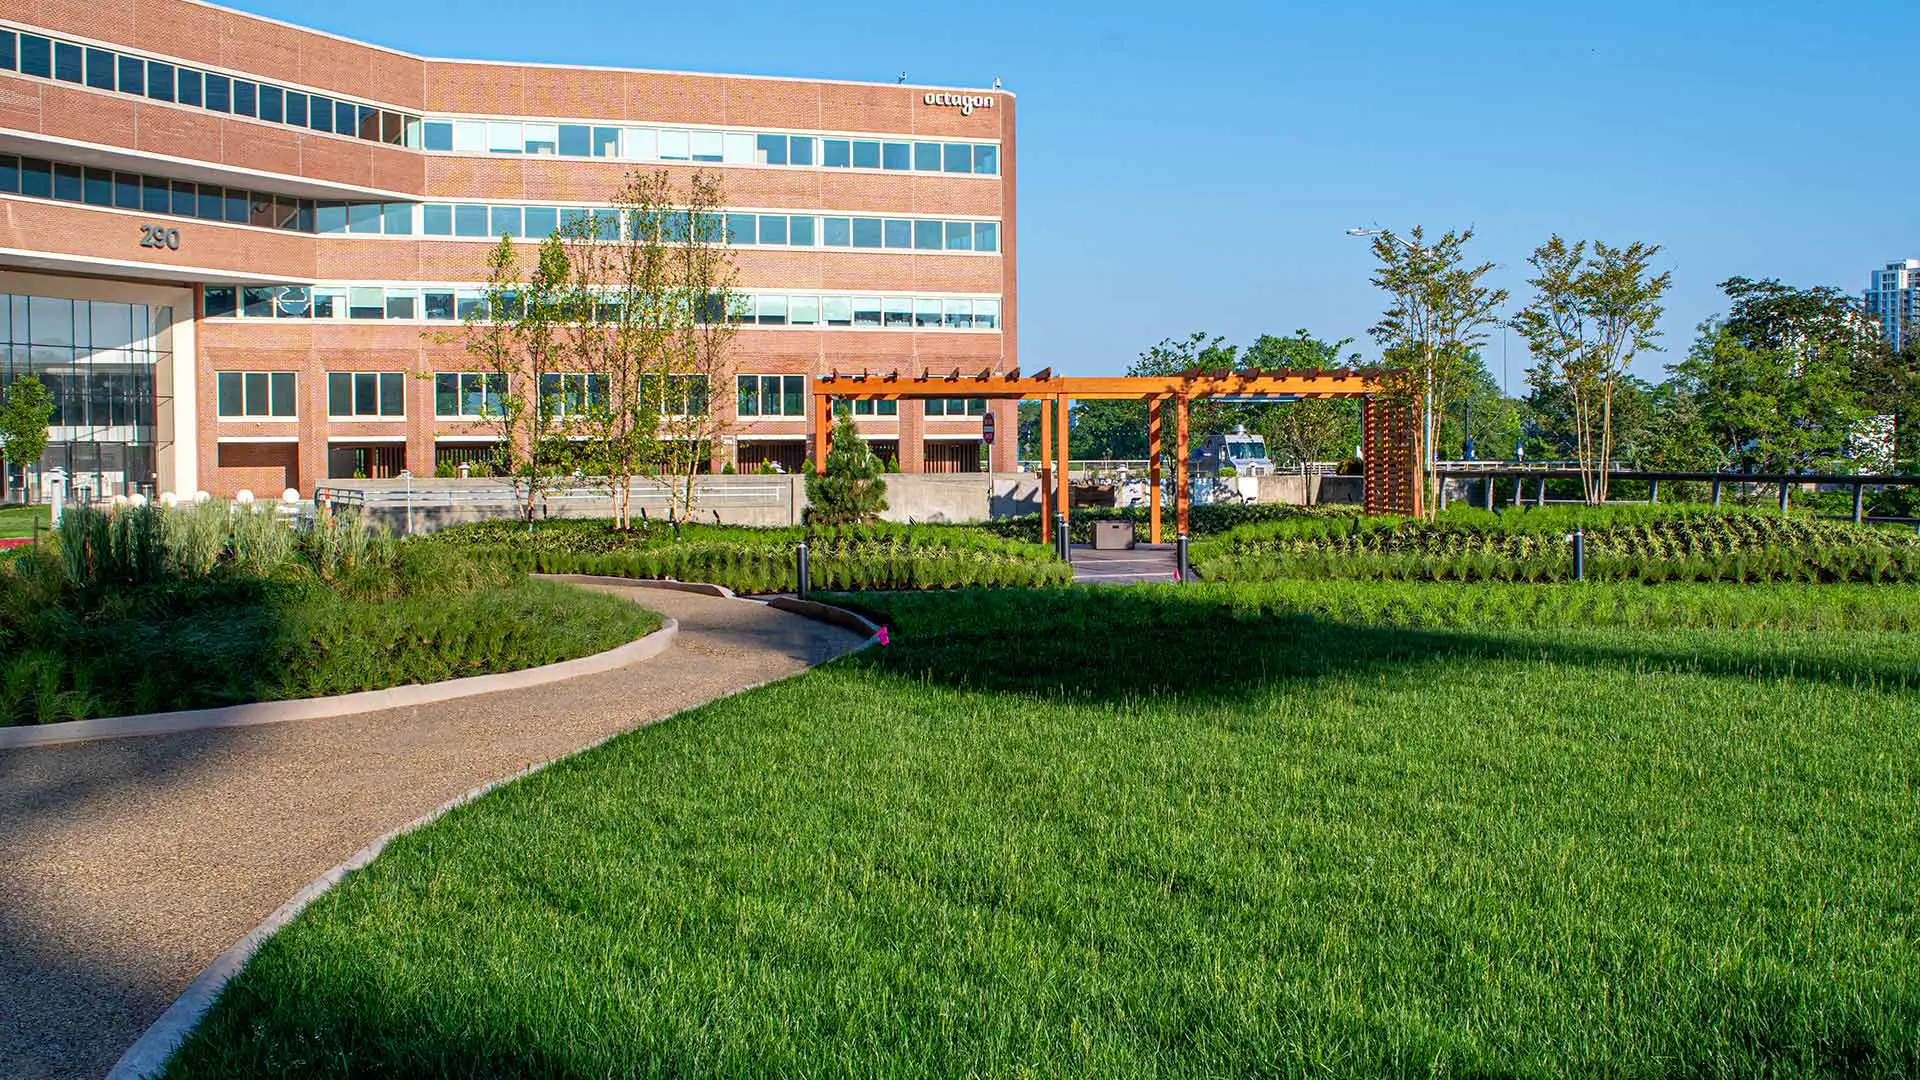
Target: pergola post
822	431
1046	471
1066	476
1180	464
1153	471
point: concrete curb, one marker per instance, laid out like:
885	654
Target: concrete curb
826	613
700	587
280	712
149	1054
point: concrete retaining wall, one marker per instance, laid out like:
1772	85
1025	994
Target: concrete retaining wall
1293	489
760	500
945	498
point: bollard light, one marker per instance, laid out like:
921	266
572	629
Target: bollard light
805	578
1578	538
1181	573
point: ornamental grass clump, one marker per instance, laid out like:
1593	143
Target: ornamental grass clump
144	609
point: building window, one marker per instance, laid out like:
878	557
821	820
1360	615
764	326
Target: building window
570	394
951	407
366	394
467	394
252	395
869	407
685	395
103	69
771	396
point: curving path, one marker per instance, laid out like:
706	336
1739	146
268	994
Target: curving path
127	866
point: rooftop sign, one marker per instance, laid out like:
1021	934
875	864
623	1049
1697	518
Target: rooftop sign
966	103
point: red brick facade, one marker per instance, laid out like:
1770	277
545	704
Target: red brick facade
73	123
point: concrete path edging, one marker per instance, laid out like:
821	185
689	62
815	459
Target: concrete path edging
278	712
149	1054
394	697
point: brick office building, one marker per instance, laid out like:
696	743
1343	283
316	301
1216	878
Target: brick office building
226	243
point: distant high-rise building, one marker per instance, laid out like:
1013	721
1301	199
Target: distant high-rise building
1893	298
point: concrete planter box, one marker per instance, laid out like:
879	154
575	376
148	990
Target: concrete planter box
1112	535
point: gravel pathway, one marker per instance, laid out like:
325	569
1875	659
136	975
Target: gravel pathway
127	866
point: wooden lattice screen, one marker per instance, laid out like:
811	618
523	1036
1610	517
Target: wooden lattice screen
1392	450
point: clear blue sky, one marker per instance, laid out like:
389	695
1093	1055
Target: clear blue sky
1190	166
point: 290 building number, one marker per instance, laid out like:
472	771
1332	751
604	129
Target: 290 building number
159	236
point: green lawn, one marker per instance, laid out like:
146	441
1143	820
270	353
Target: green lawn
18	520
1200	833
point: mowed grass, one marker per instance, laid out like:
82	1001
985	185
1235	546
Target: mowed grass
1165	833
18	521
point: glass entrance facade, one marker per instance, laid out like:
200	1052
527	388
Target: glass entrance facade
96	358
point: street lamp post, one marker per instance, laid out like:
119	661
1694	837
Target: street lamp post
1427	408
1426	411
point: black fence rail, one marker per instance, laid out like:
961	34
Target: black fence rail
1491	479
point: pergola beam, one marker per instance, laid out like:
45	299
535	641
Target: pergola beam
1056	393
1043	384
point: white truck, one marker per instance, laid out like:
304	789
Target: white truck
1239	449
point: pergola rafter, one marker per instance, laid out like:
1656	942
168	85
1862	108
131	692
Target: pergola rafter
1389	436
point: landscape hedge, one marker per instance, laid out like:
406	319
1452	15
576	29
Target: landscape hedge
1206	519
763	560
148	610
1647	544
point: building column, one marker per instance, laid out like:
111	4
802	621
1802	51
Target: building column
1004	454
913	435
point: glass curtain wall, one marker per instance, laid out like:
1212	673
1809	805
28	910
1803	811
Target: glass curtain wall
96	359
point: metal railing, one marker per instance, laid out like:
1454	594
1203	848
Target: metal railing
1783	483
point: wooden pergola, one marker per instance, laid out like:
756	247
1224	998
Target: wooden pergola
1389	437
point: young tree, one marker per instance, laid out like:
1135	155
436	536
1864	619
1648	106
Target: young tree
1591	315
1774	382
698	357
1889	382
1118	429
515	336
1311	429
25	411
1439	314
851	491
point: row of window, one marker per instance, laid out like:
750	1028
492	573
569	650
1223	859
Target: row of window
269	395
447	304
101	69
41	179
777	396
490	222
104	69
715	147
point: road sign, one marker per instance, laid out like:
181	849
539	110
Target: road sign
986	429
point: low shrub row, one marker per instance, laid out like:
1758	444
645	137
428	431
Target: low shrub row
599	537
763	560
760	568
1209	519
1808	563
1648	544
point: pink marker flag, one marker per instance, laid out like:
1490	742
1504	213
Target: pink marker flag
882	635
